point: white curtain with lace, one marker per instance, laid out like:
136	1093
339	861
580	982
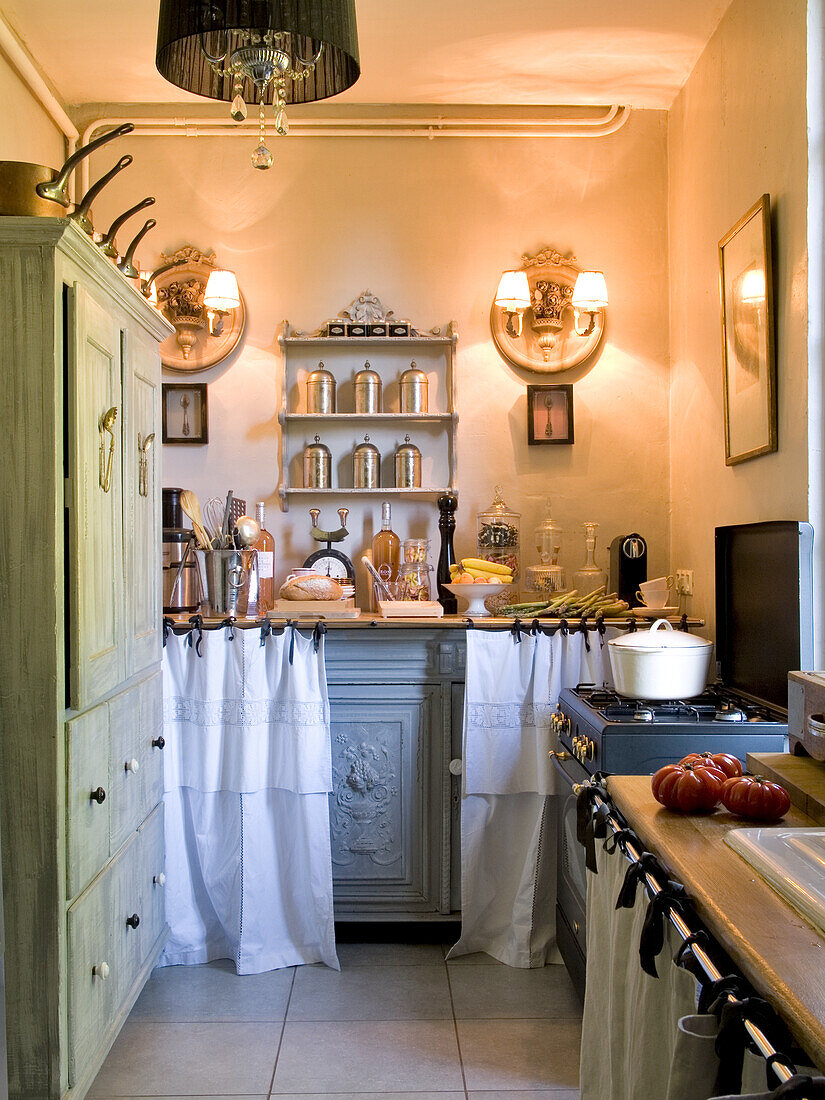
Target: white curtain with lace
508	840
247	778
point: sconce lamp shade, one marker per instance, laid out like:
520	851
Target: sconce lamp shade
513	294
192	31
222	291
590	291
752	288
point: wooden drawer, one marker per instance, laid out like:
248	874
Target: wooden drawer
136	765
136	896
94	979
88	821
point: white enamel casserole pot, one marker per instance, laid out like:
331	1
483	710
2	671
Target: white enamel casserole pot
660	663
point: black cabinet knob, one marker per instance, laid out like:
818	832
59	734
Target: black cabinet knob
133	921
98	796
158	743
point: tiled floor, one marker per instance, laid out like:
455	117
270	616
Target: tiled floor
398	1023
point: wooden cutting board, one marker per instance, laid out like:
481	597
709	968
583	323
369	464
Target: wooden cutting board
802	777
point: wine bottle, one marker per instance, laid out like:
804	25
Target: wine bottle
386	547
266	564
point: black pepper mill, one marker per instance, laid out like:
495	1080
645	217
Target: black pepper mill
446	525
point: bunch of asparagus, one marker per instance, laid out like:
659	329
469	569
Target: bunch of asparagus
569	605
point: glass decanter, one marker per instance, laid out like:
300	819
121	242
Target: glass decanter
590	576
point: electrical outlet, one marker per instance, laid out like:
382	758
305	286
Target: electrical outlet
684	582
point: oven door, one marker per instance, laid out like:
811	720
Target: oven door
571	882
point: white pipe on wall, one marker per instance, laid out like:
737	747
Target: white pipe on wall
613	118
20	59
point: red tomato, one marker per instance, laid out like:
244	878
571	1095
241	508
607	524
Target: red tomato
724	761
753	797
688	789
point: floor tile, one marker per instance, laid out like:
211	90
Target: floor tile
475	958
213	992
389	954
409	1055
226	1096
166	1059
520	1054
373	1096
371	993
501	992
530	1094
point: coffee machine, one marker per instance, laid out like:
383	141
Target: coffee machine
628	566
183	597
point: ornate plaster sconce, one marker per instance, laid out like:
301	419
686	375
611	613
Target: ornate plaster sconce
549	316
204	304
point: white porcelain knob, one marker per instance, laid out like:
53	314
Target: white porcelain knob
101	971
133	765
159	880
456	766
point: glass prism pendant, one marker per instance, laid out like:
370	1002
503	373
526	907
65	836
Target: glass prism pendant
238	109
261	157
281	123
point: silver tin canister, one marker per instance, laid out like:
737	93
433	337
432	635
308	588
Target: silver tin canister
407	466
366	466
413	385
317	465
321	391
367	391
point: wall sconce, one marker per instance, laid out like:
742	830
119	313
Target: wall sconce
549	316
204	304
513	297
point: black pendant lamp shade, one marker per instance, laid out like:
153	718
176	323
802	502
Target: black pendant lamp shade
191	32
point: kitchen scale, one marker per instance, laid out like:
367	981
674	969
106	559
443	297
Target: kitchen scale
328	561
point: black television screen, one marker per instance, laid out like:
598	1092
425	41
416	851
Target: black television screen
764	606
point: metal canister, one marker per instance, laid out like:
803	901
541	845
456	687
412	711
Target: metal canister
317	465
407	466
367	390
413	385
366	466
321	391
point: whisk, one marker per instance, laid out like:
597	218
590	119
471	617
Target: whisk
213	514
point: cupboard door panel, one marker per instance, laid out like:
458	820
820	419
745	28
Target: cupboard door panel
385	843
95	459
87	818
142	513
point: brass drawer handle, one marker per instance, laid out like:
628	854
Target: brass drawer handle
98	796
133	921
158	742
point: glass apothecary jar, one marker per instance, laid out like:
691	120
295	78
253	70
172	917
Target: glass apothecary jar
498	536
589	577
414	580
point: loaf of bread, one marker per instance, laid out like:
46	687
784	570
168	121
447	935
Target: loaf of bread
311	586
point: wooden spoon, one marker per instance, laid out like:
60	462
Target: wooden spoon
192	507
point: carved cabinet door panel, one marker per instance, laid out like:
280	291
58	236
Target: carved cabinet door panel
386	815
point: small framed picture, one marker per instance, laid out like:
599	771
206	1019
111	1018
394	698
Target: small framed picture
549	414
749	366
185	418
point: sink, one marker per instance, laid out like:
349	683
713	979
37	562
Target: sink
792	861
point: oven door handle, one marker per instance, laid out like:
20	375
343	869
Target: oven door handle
559	755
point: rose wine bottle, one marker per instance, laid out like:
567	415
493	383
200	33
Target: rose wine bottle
386	548
266	564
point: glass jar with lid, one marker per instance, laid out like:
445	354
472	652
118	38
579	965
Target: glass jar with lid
548	575
589	577
498	534
414	580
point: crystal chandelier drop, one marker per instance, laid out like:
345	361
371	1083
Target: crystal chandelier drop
274	52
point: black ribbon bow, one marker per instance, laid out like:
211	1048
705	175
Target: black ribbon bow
645	864
652	940
732	1038
591	822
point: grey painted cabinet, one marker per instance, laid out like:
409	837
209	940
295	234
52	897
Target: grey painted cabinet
82	839
394	835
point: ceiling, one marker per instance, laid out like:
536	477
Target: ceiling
636	52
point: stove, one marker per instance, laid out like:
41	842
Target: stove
606	732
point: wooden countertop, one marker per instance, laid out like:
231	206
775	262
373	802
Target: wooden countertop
447	622
777	951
